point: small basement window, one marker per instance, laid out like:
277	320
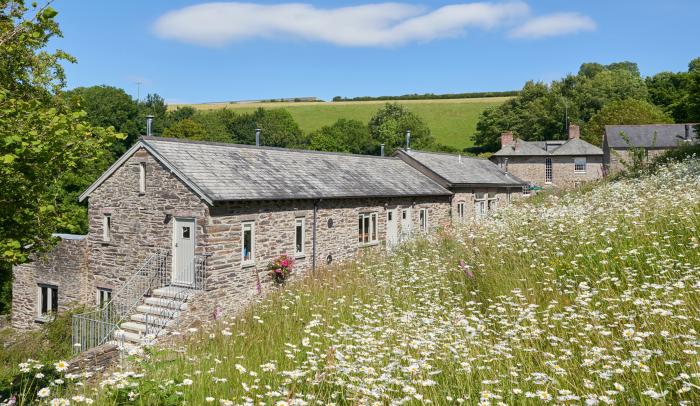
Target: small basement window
142	178
248	238
104	296
47	303
580	164
107	228
423	218
367	227
299	232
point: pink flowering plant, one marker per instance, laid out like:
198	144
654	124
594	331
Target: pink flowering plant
281	268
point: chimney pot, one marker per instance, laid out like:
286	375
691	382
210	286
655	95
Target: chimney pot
506	138
257	137
149	125
408	140
381	150
574	131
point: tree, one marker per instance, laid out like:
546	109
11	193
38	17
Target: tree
669	90
278	129
389	124
42	140
155	106
186	128
628	111
693	102
181	113
343	136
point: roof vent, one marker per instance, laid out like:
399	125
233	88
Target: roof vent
408	140
149	125
257	137
381	150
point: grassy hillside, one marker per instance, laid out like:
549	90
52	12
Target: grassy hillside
452	121
589	296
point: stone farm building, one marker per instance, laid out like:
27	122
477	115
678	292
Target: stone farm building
554	163
183	231
652	139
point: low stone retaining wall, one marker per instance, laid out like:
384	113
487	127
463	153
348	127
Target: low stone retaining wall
95	360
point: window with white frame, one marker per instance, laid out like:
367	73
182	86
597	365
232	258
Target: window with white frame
526	190
47	303
460	211
479	204
423	220
299	228
367	228
548	170
492	201
248	246
106	227
142	178
580	164
104	296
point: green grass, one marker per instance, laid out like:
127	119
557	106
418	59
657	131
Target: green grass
451	121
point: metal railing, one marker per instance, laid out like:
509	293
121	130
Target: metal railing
97	327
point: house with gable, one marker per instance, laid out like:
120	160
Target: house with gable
553	163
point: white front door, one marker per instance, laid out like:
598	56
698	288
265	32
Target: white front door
405	224
183	251
392	229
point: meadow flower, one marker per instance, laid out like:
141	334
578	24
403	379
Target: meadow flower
43	392
61	366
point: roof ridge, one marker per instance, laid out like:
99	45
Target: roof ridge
249	146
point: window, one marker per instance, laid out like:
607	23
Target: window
491	201
460	211
526	190
142	178
107	228
104	296
248	238
367	227
548	170
423	220
580	164
404	214
185	232
479	204
299	237
48	301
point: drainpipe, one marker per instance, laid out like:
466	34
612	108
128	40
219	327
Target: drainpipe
313	237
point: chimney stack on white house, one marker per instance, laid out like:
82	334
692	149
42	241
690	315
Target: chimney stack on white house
506	138
149	125
574	131
408	140
257	137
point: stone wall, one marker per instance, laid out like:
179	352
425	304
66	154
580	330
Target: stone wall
232	286
141	224
616	158
64	267
467	196
532	169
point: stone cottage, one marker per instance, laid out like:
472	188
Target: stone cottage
652	139
553	163
184	230
478	186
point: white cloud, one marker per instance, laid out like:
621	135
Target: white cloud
554	25
379	24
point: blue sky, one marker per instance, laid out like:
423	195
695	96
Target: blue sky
189	51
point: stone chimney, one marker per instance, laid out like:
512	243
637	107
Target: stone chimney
506	138
574	131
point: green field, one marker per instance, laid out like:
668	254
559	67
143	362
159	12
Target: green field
452	121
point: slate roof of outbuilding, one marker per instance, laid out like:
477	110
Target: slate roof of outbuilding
572	147
230	172
650	135
463	171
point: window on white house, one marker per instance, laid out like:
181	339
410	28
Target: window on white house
107	228
104	296
299	228
47	301
248	238
367	228
142	178
548	170
423	219
460	211
580	164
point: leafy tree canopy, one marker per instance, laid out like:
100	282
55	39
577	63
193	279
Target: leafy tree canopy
629	111
390	123
344	136
186	128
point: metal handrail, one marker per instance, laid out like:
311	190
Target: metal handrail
96	327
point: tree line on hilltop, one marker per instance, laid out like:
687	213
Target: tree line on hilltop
430	96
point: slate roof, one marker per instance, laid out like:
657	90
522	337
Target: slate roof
230	172
461	171
650	135
572	147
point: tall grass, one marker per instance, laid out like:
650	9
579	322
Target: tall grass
581	297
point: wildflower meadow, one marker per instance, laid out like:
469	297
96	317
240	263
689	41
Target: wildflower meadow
585	297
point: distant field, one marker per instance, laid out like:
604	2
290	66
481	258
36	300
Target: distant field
452	121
